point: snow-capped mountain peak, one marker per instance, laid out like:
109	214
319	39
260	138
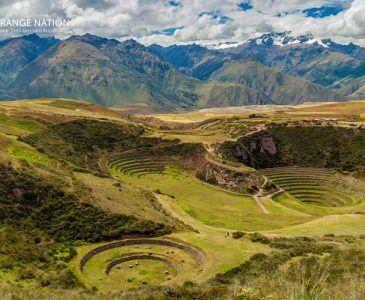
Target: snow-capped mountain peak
221	46
283	39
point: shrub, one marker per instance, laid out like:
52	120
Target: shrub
259	238
26	273
329	235
238	234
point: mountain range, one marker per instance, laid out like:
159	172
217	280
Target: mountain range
275	68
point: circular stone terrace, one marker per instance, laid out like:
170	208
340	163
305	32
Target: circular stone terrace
136	262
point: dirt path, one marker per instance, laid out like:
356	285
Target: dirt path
273	194
259	197
210	158
260	205
259	128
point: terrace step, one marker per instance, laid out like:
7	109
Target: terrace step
320	186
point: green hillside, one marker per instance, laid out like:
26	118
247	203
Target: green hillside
78	70
334	147
276	86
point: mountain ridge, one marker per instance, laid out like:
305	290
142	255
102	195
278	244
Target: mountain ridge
178	77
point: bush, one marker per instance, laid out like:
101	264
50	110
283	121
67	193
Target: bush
329	235
238	234
259	238
26	273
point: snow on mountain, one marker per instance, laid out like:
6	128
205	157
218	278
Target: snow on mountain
283	39
280	39
221	46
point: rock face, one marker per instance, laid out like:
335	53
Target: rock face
258	150
241	153
267	144
243	183
263	143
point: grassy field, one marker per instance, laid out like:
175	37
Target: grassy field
29	155
347	224
311	109
23	124
212	207
57	110
72	105
119	197
222	210
146	272
212	212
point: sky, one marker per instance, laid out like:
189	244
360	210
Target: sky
169	22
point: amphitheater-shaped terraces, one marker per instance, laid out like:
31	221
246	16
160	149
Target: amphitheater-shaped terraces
322	187
137	163
135	262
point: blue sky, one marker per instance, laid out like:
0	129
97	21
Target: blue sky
198	21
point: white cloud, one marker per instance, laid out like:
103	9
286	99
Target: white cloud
140	18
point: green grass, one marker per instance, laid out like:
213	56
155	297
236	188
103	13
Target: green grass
115	197
153	272
150	271
221	253
66	104
212	207
23	124
32	156
291	202
351	224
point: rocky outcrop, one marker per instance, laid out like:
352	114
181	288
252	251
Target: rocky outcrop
255	150
239	182
267	144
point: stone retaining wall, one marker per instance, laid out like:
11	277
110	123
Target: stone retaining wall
200	257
